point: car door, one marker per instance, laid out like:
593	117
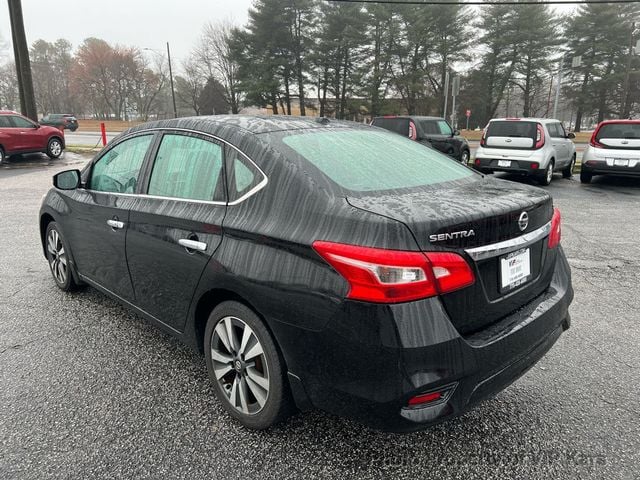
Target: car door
558	140
177	225
100	215
9	135
28	136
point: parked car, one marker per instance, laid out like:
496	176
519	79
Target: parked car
614	149
432	131
61	120
317	264
19	135
536	147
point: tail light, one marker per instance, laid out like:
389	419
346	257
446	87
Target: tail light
556	229
394	276
539	137
483	139
594	142
413	133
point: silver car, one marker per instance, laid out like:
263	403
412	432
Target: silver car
535	147
614	149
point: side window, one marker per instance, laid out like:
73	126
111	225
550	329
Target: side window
19	122
117	171
187	167
444	128
561	131
430	128
4	121
243	175
553	130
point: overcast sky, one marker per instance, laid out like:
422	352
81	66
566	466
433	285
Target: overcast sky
141	23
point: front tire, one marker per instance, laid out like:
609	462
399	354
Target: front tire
58	256
245	367
3	157
54	148
547	176
568	171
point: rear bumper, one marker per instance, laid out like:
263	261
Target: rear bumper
367	364
602	167
524	167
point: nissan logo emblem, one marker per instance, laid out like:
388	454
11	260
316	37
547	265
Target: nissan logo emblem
523	221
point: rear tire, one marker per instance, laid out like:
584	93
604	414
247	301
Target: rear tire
464	157
585	177
247	371
54	148
3	157
568	171
547	176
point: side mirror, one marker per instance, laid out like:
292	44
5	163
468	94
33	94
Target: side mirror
67	180
571	135
456	132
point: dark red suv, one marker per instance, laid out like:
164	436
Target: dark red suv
18	134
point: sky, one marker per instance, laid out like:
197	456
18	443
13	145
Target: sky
141	23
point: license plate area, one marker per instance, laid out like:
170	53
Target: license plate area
504	163
515	269
621	162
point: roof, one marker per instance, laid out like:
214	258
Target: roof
630	121
410	117
255	124
8	112
525	119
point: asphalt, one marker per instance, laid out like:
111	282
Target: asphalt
89	390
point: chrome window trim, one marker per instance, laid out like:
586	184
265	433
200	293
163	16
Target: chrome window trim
511	245
250	193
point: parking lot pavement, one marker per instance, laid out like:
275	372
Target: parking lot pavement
89	390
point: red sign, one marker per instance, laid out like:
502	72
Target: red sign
468	113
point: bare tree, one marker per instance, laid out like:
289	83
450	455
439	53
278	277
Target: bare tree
215	57
190	85
9	97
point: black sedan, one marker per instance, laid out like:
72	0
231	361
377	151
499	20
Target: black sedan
317	263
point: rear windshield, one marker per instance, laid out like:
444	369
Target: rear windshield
362	161
512	129
619	130
397	125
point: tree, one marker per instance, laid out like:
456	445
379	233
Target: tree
212	98
9	97
215	54
51	65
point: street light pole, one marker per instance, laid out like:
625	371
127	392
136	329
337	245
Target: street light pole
625	88
173	91
555	103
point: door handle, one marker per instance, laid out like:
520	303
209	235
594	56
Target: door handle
192	244
115	224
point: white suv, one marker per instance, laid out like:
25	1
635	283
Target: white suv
531	146
614	148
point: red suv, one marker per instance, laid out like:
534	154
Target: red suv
18	134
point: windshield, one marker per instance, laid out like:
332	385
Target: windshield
361	160
619	130
512	129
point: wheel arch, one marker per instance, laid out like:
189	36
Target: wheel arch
45	219
60	138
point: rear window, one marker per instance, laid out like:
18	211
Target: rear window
512	129
397	125
619	130
361	160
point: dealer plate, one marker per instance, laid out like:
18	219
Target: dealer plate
515	269
504	163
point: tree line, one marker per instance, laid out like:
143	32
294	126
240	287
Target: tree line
355	61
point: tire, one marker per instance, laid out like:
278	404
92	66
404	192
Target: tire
58	256
54	148
253	390
464	157
547	176
3	157
585	177
568	171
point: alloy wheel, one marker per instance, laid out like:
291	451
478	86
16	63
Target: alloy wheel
55	147
57	257
240	365
549	173
465	158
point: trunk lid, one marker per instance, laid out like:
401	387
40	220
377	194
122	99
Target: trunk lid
442	218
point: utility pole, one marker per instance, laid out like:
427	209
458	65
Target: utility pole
625	88
455	91
23	64
555	103
173	91
446	93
